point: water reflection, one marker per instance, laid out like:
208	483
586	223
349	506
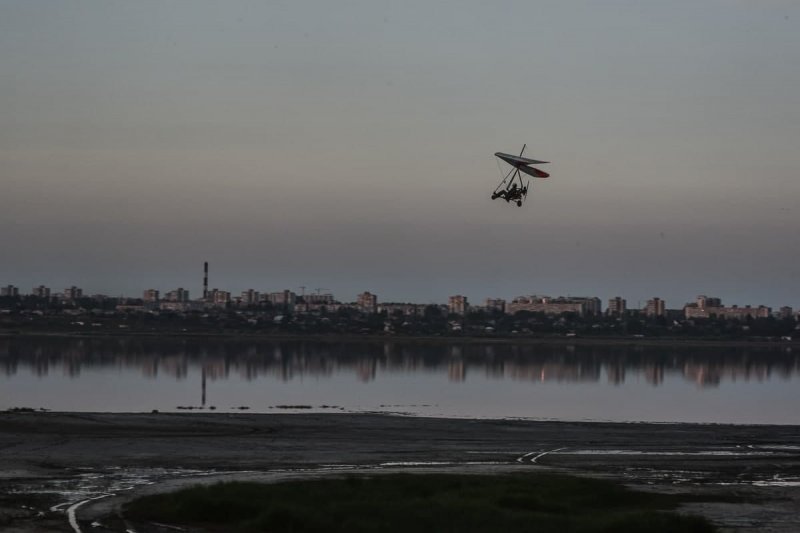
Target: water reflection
290	360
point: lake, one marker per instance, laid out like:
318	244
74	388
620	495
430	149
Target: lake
600	382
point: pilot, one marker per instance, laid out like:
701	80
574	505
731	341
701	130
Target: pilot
512	193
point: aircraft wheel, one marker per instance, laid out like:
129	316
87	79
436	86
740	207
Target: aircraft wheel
519	203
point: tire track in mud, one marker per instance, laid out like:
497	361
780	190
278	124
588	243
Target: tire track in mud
533	460
71	510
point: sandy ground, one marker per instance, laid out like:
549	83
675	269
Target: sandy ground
65	471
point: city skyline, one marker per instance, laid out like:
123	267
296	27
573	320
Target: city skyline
351	147
458	303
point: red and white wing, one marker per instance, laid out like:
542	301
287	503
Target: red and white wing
535	172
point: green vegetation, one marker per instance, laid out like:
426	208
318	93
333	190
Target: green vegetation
421	503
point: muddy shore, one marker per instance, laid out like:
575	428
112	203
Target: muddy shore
53	464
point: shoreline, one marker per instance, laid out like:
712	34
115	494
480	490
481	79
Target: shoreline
334	411
281	411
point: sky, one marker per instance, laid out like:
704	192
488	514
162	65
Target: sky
349	146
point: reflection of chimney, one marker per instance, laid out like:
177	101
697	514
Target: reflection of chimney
204	385
205	280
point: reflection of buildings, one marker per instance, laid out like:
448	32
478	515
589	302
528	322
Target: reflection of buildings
150	368
495	369
294	359
616	373
367	369
177	367
456	370
704	375
654	374
552	371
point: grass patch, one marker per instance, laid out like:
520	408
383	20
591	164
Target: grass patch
422	503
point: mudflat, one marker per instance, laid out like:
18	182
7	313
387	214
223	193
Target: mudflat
62	471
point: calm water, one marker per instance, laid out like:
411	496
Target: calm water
661	384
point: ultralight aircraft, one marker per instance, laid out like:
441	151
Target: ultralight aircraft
508	189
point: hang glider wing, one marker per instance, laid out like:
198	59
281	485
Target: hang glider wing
517	161
535	172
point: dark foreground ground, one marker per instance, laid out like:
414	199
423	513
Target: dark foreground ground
64	472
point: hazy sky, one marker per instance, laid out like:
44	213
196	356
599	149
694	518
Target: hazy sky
348	146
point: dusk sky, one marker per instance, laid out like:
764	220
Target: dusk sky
349	146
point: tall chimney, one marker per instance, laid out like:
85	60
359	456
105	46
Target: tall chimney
205	280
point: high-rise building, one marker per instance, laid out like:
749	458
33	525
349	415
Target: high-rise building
9	290
319	298
496	304
703	308
457	305
250	297
616	306
581	305
218	297
655	307
178	295
41	291
285	298
150	296
704	301
367	302
73	293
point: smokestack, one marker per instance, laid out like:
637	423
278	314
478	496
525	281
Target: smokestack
205	280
